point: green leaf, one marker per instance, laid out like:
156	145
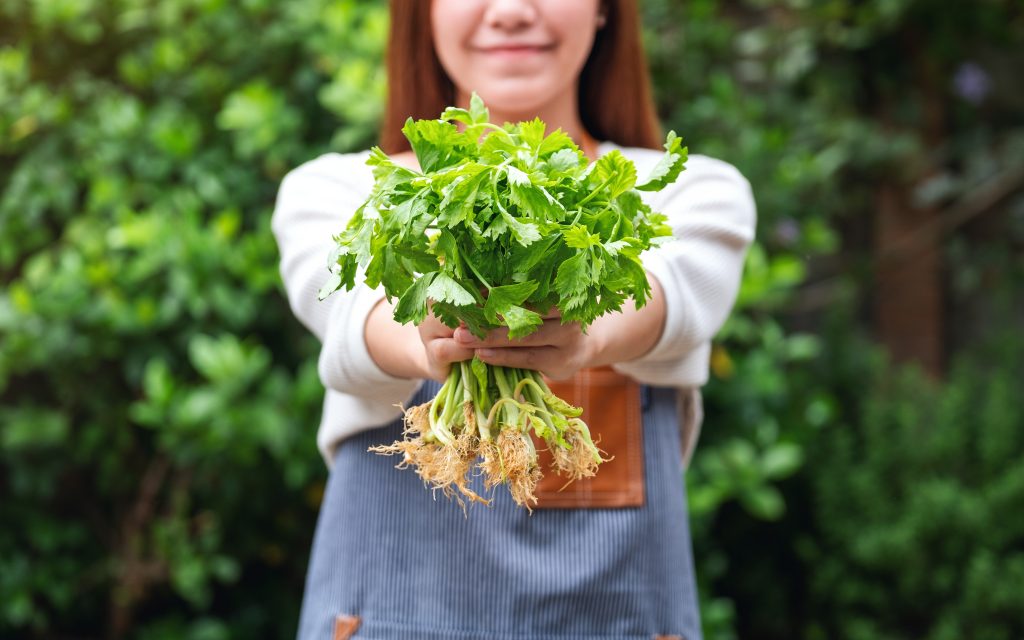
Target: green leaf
357	238
781	460
501	299
535	201
444	288
497	147
434	142
578	237
386	267
629	247
473	316
573	275
410	217
521	322
557	141
561	406
764	501
412	305
615	171
460	198
496	228
516	177
525	259
564	159
532	133
387	174
477	110
525	233
333	284
457	114
447	249
450	315
669	167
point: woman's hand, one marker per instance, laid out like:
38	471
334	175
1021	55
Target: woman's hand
560	350
405	351
440	349
557	350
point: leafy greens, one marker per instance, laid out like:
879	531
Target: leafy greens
499	225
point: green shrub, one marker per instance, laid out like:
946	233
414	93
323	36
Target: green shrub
918	506
158	403
819	104
902	523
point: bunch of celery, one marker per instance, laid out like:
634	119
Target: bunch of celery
500	225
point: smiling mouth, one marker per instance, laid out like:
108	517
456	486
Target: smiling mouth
516	49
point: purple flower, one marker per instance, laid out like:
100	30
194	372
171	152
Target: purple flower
786	232
972	83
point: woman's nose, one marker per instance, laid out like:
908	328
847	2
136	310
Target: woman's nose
510	14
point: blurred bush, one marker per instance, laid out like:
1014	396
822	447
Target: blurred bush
822	105
916	506
158	402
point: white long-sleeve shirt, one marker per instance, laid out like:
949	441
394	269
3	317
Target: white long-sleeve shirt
710	209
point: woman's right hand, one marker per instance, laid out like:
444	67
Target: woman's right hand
440	348
405	351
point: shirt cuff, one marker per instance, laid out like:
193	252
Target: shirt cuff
658	266
345	363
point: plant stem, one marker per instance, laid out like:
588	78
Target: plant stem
593	193
506	393
475	272
535	397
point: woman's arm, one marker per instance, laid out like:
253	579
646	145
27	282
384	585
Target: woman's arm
713	217
313	205
407	351
694	280
560	350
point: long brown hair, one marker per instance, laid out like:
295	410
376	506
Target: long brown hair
418	86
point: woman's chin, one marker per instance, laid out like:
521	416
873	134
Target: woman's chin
516	100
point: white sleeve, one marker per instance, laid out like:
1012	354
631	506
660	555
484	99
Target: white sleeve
314	203
712	214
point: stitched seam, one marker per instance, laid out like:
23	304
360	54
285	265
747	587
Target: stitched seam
374	625
636	441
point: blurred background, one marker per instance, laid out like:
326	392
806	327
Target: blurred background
859	475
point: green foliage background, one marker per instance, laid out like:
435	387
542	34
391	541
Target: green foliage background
158	402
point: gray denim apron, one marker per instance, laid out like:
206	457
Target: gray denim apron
398	564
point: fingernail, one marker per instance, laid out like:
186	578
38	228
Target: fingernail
462	335
485	353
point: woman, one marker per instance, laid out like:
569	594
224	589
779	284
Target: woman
389	562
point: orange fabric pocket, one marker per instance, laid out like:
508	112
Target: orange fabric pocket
345	627
611	409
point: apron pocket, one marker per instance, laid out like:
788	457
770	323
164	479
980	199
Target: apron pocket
612	411
345	627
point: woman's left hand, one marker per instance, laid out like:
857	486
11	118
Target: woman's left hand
557	350
560	350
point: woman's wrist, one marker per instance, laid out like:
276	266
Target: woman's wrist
630	333
617	337
396	348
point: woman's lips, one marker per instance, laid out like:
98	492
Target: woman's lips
515	52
